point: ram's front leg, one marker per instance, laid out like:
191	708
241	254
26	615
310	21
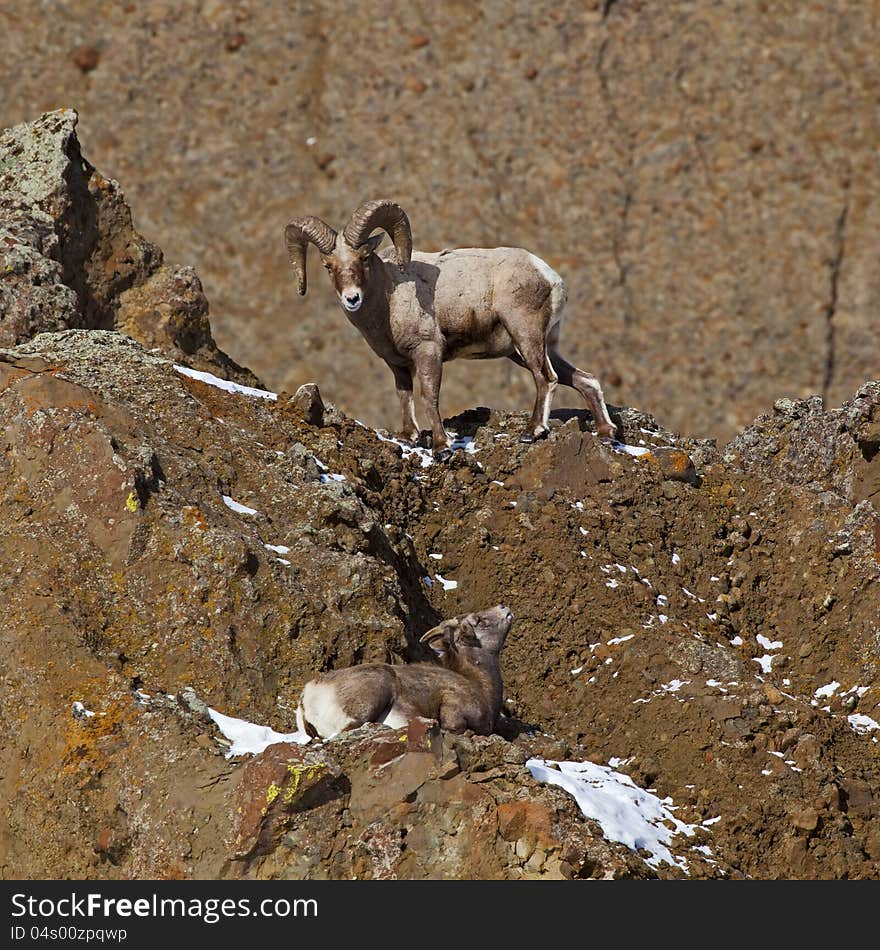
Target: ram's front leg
429	367
403	383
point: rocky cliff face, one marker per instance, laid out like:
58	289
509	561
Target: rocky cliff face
74	260
703	175
701	622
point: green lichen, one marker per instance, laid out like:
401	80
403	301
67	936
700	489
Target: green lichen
297	771
131	503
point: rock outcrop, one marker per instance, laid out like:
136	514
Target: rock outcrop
72	259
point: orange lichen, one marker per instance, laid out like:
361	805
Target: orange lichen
87	751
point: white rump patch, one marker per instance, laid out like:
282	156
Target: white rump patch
545	270
558	292
321	708
394	719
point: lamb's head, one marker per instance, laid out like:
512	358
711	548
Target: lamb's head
474	637
350	261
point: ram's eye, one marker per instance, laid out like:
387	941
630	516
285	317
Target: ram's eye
326	266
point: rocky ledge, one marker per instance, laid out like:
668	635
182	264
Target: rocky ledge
696	627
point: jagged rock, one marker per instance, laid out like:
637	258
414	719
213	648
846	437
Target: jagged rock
73	260
308	402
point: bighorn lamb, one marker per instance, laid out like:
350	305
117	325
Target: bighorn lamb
462	693
417	311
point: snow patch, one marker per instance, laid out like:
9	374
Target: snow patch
627	814
634	450
768	644
224	384
828	690
423	455
673	686
247	738
465	442
447	585
237	507
862	723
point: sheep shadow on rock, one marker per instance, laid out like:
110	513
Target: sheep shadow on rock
466	424
511	727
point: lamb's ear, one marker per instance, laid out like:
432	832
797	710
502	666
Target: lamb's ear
466	632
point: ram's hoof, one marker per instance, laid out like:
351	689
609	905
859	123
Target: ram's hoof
444	455
540	433
607	433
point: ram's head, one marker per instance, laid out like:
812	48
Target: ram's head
349	258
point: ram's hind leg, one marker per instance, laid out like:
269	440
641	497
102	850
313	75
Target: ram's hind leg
588	386
535	359
584	383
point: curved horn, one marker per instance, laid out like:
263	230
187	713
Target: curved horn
386	215
441	630
297	235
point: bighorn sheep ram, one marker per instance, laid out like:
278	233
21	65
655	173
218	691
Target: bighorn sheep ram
417	311
462	693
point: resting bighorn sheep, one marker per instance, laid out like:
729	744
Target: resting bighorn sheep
417	311
462	693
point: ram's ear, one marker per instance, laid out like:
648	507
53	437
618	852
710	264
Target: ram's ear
466	632
371	245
